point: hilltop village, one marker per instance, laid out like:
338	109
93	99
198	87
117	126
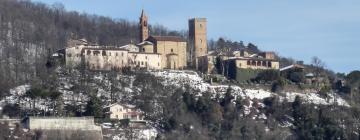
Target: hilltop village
163	87
164	52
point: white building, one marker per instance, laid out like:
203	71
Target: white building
96	57
119	112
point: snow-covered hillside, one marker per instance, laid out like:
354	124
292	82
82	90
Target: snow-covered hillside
193	80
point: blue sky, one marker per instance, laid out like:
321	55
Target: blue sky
329	29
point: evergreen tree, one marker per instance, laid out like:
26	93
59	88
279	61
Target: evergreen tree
94	107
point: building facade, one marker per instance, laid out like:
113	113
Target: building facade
144	60
105	58
73	52
172	50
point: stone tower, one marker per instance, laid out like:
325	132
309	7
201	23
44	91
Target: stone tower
144	28
197	40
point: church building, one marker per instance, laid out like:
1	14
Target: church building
171	48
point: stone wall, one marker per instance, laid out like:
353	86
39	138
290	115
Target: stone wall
66	123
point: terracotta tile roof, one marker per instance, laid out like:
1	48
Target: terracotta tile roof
167	38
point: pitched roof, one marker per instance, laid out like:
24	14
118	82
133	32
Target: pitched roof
167	38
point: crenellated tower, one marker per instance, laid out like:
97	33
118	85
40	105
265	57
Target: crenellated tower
197	40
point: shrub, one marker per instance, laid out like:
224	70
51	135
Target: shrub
268	76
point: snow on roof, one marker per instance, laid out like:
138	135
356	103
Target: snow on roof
124	105
253	55
310	75
291	66
145	43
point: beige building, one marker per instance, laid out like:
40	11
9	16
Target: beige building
119	112
251	63
73	52
172	50
146	47
265	60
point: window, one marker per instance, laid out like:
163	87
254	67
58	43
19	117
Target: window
116	54
109	53
69	55
142	63
248	62
158	64
143	49
103	53
145	57
76	47
259	63
172	50
253	63
269	64
201	41
145	23
122	53
200	25
264	63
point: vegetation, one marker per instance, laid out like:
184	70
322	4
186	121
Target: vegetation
32	31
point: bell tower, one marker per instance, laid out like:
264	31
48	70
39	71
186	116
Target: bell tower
144	28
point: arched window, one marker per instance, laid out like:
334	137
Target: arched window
253	63
172	50
259	63
143	49
264	63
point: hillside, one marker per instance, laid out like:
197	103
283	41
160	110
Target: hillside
31	31
171	101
